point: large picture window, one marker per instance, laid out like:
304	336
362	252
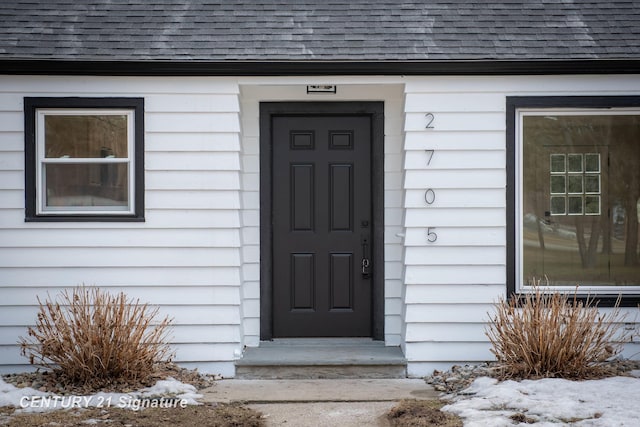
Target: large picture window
84	158
574	190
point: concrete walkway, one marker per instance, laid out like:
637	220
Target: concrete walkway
335	402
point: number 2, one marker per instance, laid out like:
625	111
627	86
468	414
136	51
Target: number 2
430	118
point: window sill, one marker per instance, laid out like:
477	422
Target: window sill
85	218
601	300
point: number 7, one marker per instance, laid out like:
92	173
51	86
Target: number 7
429	155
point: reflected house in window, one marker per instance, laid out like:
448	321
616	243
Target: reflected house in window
574	184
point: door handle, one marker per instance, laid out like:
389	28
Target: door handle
366	264
365	268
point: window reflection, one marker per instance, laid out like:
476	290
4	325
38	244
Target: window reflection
581	192
86	161
86	136
75	185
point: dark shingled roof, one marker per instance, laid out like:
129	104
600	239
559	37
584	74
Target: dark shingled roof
319	30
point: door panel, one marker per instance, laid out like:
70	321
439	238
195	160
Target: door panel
321	219
302	190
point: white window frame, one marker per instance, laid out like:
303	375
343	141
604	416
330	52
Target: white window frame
520	285
41	161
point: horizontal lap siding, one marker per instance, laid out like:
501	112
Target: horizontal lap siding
452	284
393	250
250	220
185	258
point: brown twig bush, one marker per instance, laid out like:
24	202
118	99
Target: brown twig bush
95	338
549	334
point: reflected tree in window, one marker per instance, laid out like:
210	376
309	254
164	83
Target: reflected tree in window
625	181
581	187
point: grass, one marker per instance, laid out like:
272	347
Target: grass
546	335
421	413
561	261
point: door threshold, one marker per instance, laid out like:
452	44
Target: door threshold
313	342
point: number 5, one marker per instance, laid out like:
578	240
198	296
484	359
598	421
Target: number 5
431	235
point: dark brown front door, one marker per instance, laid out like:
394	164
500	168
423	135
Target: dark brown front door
321	225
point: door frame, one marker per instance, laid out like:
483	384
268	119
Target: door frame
373	109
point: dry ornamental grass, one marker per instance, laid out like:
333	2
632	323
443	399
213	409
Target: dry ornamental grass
92	337
547	334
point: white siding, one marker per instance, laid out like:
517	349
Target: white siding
185	258
197	254
452	283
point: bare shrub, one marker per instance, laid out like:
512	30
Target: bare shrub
548	334
92	337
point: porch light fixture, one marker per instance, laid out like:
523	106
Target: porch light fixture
321	88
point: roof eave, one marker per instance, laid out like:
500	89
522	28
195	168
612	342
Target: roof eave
302	68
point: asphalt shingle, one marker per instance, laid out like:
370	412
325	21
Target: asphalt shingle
319	30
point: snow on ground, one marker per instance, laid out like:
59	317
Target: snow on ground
166	393
486	403
605	402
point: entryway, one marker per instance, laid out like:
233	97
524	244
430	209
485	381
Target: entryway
321	244
321	220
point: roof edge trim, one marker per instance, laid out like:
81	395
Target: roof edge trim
308	68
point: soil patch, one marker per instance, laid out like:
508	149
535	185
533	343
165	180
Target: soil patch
52	382
214	415
210	415
421	413
459	377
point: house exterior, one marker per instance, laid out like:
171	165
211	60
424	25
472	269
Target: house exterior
269	169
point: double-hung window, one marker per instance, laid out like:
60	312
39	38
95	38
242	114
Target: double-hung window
84	159
574	195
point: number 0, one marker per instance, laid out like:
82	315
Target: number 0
430	196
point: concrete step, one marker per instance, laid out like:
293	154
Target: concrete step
321	358
314	390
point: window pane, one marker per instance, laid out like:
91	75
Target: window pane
575	184
86	185
581	198
592	162
592	183
592	205
575	205
558	205
575	162
558	163
86	136
558	184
